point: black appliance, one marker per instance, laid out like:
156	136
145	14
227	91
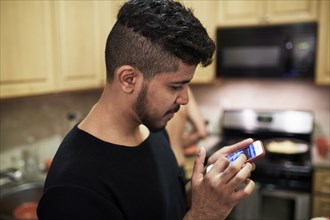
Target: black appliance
280	51
283	178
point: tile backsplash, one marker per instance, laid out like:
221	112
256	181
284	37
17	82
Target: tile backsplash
265	95
39	121
44	119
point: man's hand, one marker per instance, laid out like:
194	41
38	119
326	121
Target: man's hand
215	193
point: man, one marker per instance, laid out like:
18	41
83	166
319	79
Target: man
117	163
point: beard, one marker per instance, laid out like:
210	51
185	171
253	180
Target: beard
142	109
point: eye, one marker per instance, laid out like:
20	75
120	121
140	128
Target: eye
176	87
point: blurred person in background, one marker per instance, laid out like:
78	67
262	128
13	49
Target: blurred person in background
186	129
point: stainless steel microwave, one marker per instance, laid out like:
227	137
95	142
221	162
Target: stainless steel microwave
280	51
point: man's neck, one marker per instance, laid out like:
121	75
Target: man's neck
111	122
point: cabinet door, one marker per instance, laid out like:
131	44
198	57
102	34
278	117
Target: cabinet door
283	11
256	12
321	189
205	11
80	45
321	206
323	52
108	14
322	181
26	48
240	12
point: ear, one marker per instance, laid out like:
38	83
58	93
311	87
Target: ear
127	77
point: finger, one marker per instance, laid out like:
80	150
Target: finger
244	192
198	169
238	146
219	166
233	168
241	176
253	166
229	150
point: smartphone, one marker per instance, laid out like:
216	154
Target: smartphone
253	152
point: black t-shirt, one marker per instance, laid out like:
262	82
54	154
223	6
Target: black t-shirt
93	179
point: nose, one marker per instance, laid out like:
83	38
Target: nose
183	97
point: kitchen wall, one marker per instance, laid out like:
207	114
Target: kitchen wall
42	120
265	95
39	122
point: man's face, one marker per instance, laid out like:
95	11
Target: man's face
162	96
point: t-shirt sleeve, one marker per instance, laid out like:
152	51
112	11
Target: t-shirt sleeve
73	202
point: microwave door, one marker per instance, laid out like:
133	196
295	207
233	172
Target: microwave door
282	51
303	55
258	60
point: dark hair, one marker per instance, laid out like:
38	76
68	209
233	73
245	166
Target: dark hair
152	35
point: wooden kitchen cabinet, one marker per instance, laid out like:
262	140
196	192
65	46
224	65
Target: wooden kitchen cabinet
53	46
321	192
80	44
26	57
256	12
323	49
239	13
83	28
206	12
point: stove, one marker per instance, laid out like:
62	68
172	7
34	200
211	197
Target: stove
283	176
289	171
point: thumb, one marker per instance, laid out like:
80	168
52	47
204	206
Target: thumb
198	169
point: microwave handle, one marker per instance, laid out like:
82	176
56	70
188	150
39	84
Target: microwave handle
288	53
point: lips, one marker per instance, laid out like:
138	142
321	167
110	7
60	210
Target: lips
170	116
171	112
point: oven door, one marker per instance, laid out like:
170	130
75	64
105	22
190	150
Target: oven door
271	204
284	204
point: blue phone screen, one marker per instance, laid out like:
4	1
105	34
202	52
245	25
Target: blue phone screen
249	153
